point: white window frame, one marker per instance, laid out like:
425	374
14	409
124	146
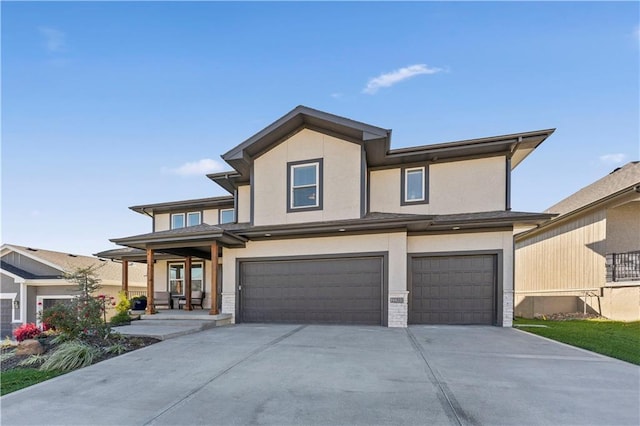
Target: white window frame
186	223
406	185
40	303
233	219
184	220
293	186
184	270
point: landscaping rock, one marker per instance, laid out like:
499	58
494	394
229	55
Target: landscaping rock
29	347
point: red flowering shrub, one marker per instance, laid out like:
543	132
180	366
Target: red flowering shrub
26	331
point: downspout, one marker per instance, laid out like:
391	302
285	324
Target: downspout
507	197
153	220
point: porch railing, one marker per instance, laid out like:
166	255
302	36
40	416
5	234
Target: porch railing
133	293
623	266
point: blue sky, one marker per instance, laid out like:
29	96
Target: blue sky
108	105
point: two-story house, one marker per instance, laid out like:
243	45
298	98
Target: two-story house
325	223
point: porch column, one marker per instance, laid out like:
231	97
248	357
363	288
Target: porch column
187	283
125	276
150	281
214	279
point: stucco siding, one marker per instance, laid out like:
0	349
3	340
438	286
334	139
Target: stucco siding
454	187
162	221
210	216
340	185
468	186
623	228
244	204
571	255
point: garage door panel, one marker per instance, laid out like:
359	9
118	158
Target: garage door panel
343	290
453	289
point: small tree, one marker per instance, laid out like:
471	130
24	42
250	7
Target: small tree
90	310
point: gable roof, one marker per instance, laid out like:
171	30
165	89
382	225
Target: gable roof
108	271
375	140
623	178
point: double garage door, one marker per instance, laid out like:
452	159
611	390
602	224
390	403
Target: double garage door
457	289
453	289
345	290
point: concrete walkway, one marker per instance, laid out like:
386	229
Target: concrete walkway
290	375
169	324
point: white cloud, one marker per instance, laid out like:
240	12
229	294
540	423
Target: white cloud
336	95
393	77
199	168
612	159
54	40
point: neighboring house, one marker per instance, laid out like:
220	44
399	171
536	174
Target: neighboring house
32	279
326	224
589	252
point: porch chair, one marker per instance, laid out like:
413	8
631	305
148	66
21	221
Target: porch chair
197	297
162	298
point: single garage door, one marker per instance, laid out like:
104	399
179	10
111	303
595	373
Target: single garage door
334	291
453	289
6	316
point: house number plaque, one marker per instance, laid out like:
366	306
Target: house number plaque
396	299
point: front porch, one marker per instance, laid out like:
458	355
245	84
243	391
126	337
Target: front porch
181	264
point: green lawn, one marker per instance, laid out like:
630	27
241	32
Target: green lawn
612	338
16	379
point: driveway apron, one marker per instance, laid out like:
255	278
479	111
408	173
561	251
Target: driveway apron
296	374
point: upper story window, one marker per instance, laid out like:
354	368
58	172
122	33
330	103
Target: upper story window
180	220
305	185
227	216
414	185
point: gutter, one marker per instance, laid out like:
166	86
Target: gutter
561	218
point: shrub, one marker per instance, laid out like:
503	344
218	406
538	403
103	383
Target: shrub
123	305
26	331
120	318
71	355
62	318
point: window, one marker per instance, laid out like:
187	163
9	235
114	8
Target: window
177	220
414	185
192	219
305	190
177	276
227	216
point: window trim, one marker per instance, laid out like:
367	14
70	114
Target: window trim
319	184
184	269
185	218
220	211
404	187
191	213
184	221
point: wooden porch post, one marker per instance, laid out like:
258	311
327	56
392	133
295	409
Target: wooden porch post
150	281
125	276
187	283
214	279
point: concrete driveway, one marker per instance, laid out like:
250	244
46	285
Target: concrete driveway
288	374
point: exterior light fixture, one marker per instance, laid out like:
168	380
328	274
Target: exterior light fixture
341	230
267	235
455	228
16	304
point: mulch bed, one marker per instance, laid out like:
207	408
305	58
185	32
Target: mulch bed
129	343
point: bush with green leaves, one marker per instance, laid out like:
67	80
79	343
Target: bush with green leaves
62	318
120	318
70	356
123	305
